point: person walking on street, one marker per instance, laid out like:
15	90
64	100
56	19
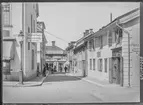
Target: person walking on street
44	70
65	69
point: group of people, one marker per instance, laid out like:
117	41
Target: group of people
50	69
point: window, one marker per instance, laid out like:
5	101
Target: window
100	65
31	23
28	45
105	63
101	41
6	14
90	45
28	42
32	59
109	38
94	64
28	30
104	40
34	26
96	42
6	33
118	36
90	64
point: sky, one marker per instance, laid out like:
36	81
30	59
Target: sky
68	21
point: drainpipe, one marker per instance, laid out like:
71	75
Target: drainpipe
128	51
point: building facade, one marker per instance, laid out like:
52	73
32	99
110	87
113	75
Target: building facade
19	17
112	53
70	54
41	47
55	57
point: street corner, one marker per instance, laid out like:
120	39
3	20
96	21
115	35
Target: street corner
28	84
9	84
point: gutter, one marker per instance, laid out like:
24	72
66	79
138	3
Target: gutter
128	51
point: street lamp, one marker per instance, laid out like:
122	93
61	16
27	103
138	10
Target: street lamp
21	36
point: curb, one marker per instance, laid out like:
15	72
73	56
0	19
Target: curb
29	85
91	82
88	81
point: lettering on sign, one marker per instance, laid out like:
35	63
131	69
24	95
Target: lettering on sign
98	54
35	37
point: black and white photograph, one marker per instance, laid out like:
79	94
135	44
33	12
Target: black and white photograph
71	52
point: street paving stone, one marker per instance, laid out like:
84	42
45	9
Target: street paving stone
61	88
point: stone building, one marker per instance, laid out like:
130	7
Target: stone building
19	54
112	53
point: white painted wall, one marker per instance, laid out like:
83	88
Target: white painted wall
105	53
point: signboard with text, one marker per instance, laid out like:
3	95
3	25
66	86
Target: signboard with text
35	37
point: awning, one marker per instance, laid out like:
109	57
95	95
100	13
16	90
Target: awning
8	50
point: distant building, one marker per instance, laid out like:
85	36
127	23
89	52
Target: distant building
41	47
19	17
70	54
55	56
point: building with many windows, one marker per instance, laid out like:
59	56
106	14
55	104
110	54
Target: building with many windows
70	54
112	53
19	54
41	47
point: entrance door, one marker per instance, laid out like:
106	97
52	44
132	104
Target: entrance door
116	70
84	68
110	70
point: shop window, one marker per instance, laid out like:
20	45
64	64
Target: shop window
90	64
105	64
94	63
100	65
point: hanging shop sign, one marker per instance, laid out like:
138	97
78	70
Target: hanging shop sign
35	37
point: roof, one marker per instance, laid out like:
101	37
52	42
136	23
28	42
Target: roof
113	23
54	48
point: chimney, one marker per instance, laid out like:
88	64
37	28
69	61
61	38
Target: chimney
53	43
110	17
91	31
84	34
87	32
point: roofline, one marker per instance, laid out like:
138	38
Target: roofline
113	22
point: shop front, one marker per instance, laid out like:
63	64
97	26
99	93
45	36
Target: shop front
8	56
116	67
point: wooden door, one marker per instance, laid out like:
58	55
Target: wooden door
110	70
84	68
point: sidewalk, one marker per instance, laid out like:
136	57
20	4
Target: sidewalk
113	92
38	81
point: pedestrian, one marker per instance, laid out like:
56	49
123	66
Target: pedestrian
38	70
44	70
65	69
